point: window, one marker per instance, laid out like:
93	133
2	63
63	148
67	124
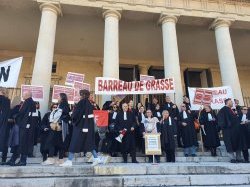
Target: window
54	66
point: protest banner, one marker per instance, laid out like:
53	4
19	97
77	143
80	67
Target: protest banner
79	86
146	77
36	91
111	86
209	96
69	91
101	118
72	77
9	72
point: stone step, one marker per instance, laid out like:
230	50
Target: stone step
145	159
134	180
117	169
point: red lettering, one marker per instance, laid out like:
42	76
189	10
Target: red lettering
171	84
141	85
105	85
100	85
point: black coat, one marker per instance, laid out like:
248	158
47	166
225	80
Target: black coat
26	135
173	112
230	125
244	133
37	122
4	127
189	136
82	141
14	128
167	134
128	141
211	136
45	124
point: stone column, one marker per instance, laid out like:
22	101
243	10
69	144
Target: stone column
45	50
171	55
228	69
111	46
143	68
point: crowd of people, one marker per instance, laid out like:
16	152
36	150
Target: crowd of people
66	129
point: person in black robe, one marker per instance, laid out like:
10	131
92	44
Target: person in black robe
26	125
189	136
112	134
83	138
37	122
59	120
44	132
237	106
140	122
230	125
167	136
174	113
244	118
125	124
186	101
209	125
158	112
4	127
13	141
151	106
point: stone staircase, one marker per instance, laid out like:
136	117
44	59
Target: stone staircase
202	170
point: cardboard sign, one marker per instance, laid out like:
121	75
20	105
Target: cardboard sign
152	144
79	86
37	92
209	96
146	77
69	91
111	86
72	77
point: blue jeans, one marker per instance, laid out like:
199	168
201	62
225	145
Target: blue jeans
190	150
71	155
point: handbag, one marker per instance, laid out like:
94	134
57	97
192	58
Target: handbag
196	124
55	126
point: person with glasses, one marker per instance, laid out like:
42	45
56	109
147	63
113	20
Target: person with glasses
209	125
44	132
244	118
189	136
151	125
230	125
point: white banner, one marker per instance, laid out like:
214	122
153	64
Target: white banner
111	86
9	72
209	96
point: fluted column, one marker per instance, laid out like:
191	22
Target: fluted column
228	69
171	55
45	50
111	46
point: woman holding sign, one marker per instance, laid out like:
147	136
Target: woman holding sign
151	125
209	125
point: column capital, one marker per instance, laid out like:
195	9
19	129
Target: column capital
221	22
112	13
54	7
168	18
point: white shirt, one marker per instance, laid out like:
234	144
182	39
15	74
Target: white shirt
114	115
209	116
244	118
169	120
142	118
184	115
125	116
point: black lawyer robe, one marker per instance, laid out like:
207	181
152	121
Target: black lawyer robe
45	124
167	134
230	125
189	136
128	141
244	133
26	135
83	141
4	127
211	136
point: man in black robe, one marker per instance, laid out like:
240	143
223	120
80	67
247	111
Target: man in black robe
126	121
4	127
27	127
244	118
230	125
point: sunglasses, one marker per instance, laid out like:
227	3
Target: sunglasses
183	106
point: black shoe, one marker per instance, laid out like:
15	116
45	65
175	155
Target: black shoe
135	161
10	163
246	161
20	164
3	163
193	155
186	155
233	161
240	161
180	145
